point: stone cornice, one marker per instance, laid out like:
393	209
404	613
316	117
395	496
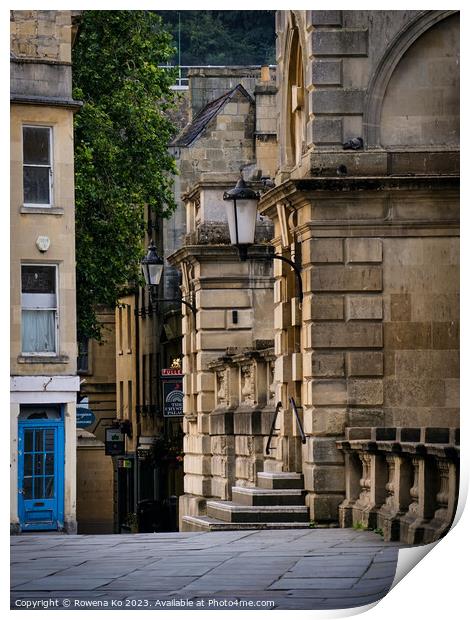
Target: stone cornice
216	253
39	61
215	180
296	192
70	104
373	228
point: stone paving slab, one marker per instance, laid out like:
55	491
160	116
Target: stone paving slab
283	569
318	583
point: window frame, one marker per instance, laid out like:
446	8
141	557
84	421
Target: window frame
41	205
56	310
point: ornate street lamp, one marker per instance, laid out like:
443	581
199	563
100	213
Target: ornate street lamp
152	269
241	217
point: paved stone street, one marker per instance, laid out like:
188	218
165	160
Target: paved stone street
283	569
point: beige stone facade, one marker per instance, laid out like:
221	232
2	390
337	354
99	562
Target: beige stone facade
366	204
44	382
95	486
95	471
97	370
43	35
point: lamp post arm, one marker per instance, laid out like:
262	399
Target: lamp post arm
183	301
190	306
297	273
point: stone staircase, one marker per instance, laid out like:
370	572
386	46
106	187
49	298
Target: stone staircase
276	503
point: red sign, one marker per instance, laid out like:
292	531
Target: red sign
171	372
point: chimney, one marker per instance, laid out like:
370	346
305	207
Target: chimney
265	77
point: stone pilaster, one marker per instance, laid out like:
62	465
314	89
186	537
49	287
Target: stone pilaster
343	359
231	298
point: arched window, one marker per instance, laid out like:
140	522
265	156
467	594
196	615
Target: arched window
295	125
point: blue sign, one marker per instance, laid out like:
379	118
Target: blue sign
85	417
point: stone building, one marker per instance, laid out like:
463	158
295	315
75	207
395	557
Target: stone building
147	340
149	476
96	410
352	415
44	381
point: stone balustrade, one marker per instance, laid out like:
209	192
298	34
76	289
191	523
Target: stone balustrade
403	481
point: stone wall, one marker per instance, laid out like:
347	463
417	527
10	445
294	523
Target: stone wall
99	381
379	337
94	486
373	230
44	35
349	58
245	132
421	104
209	83
231	298
225	145
421	331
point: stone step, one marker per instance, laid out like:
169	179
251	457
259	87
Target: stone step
209	524
234	513
280	480
255	496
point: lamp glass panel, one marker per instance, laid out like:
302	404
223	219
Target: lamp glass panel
246	220
155	274
145	273
247	210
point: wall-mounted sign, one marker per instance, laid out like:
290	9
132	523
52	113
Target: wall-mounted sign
170	372
124	463
114	442
85	417
172	381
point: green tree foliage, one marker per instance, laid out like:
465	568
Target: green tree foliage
121	159
223	37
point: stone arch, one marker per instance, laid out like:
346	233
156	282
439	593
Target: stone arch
381	78
294	107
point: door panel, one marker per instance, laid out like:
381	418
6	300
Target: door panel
40	470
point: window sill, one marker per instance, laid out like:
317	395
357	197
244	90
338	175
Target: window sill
43	359
43	210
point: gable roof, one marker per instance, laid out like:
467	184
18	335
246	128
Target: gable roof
205	115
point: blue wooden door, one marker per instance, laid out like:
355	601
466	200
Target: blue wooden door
41	474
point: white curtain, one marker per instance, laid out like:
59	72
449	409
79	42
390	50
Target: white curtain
38	331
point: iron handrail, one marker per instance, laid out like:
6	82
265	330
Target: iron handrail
273	424
271	432
297	419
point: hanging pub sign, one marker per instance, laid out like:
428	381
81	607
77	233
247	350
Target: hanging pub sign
114	442
172	381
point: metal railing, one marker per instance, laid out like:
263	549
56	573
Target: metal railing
297	419
182	79
273	424
271	432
